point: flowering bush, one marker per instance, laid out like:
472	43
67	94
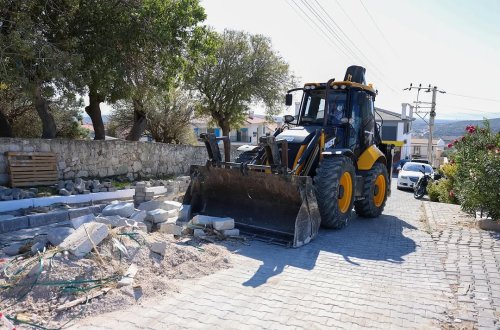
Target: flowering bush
477	180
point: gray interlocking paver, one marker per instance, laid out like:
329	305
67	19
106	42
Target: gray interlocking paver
376	273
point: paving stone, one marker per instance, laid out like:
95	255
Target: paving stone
185	213
123	209
13	249
160	215
223	223
139	215
164	205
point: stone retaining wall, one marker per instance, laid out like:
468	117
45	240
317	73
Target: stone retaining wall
99	159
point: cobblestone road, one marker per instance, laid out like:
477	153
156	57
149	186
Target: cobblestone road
381	273
471	260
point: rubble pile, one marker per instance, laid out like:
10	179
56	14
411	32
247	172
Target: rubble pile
80	186
8	194
101	263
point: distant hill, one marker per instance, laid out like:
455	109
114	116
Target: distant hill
450	128
87	120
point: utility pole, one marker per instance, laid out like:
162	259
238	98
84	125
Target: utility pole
431	106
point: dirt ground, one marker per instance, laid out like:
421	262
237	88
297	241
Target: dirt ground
32	288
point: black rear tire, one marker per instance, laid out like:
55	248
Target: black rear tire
372	204
419	192
334	195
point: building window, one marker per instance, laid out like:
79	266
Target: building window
406	128
416	150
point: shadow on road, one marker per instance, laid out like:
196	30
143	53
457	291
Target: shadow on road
363	239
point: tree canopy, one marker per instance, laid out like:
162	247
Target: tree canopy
245	70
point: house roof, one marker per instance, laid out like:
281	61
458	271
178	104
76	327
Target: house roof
388	115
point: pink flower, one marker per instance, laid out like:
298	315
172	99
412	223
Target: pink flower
452	194
450	145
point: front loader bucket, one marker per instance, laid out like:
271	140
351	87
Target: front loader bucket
280	208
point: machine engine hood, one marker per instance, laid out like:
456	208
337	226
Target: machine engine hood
299	134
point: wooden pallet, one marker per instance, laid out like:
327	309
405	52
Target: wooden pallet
28	169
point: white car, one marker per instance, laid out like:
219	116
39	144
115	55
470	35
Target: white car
410	173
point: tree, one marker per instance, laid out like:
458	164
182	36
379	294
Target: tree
129	46
168	116
36	53
245	70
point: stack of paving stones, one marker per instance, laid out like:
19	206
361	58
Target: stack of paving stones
8	194
143	193
80	186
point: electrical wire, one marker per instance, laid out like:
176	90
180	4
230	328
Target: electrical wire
474	97
378	28
331	34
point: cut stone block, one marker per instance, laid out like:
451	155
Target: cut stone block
164	205
43	219
128	277
122	209
223	224
110	220
8	223
158	247
80	242
185	213
74	213
206	220
231	232
139	215
59	234
77	222
160	215
170	228
198	233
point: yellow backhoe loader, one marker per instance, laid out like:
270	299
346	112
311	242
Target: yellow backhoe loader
313	171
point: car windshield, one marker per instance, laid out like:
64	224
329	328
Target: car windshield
314	107
412	167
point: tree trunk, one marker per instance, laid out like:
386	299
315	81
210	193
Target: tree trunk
49	128
5	127
140	121
94	112
227	147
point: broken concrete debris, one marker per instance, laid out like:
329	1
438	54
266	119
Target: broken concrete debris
170	228
158	247
221	226
83	240
128	277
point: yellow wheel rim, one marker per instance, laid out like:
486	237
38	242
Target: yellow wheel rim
346	186
379	191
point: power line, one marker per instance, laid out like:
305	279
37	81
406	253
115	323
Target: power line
471	109
323	34
475	97
346	49
378	28
348	38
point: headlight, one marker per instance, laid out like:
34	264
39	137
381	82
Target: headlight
342	86
335	87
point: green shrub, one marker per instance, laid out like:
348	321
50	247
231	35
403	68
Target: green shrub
477	178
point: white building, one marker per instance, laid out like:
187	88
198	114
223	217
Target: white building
395	129
253	128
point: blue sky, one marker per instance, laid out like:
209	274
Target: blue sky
452	44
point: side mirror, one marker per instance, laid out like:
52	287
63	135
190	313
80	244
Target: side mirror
288	99
289	118
399	168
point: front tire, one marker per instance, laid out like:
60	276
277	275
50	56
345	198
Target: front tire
376	184
334	187
419	192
